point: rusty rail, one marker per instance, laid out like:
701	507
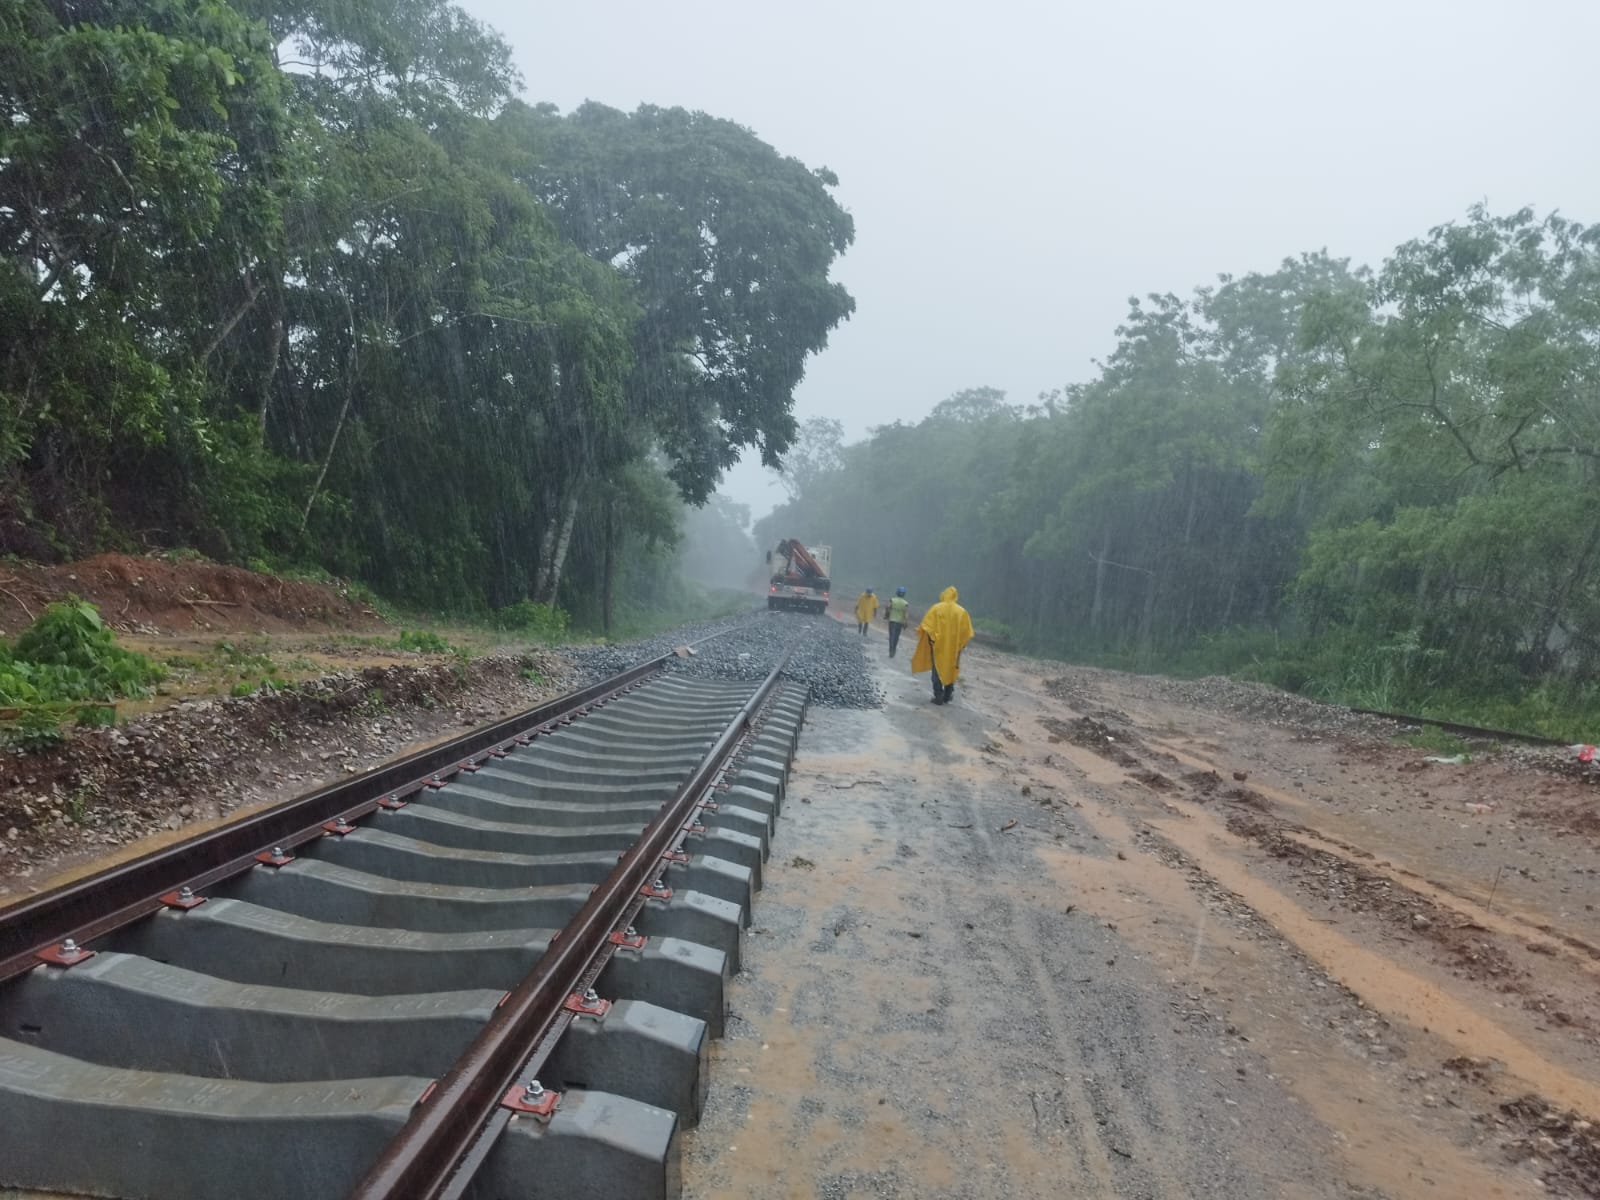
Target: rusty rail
1460	730
422	1161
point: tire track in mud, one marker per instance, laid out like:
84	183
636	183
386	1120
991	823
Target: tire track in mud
1561	1141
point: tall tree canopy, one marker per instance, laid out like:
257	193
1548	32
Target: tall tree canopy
302	281
727	245
1380	486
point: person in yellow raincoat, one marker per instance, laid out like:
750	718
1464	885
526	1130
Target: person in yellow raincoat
945	630
866	605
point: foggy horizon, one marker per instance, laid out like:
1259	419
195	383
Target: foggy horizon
1016	177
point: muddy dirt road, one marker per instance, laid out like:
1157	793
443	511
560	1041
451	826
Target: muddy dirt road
1095	935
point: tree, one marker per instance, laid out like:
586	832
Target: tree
327	308
727	247
1457	402
134	158
972	405
817	450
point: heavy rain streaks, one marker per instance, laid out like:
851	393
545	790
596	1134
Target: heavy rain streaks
375	371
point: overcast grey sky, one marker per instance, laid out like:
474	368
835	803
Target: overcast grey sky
1017	170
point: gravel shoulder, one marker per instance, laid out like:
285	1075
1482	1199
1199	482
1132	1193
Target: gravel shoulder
111	794
929	1009
1045	942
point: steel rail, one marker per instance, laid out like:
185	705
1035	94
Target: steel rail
1455	727
421	1160
119	895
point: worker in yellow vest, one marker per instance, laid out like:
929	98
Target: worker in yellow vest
895	610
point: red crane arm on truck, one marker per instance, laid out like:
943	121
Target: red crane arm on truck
797	555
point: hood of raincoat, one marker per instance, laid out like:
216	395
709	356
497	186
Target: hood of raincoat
945	630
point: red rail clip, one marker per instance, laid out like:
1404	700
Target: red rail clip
391	801
651	892
339	826
675	856
619	938
183	898
276	857
587	1004
467	764
65	953
531	1099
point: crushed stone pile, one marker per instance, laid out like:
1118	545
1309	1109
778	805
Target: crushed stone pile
827	656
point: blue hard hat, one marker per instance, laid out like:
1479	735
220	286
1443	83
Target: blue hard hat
899	591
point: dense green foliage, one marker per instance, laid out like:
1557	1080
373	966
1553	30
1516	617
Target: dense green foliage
362	309
1379	487
66	657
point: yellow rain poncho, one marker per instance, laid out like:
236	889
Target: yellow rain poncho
945	630
865	607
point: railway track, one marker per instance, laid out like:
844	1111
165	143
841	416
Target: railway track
1460	730
490	969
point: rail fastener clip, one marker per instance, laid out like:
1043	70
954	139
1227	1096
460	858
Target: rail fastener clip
183	898
587	1004
531	1098
65	953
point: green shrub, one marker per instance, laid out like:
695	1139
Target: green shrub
423	641
532	620
69	653
997	633
67	656
240	659
36	729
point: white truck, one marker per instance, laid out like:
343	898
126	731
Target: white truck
800	576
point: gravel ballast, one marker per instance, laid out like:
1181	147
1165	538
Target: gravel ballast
826	656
